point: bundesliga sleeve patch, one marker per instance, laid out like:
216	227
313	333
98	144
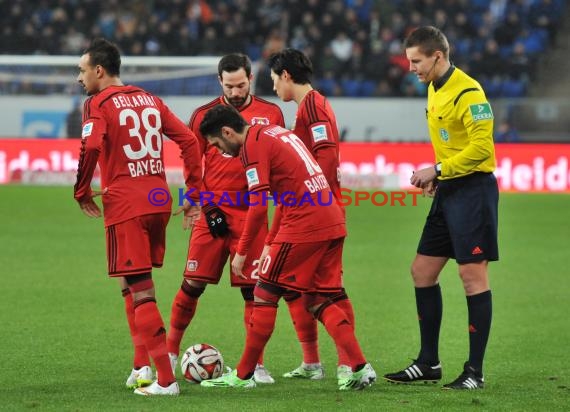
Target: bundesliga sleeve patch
319	133
87	129
252	177
481	111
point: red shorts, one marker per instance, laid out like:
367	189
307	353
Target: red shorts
137	245
305	267
207	255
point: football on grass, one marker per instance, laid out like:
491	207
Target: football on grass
201	362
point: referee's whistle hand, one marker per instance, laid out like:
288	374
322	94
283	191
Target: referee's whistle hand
421	178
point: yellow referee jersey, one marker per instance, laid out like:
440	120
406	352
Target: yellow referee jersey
460	122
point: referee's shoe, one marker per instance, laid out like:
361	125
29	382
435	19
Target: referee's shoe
469	379
416	372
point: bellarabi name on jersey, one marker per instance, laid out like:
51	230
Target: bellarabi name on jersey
135	100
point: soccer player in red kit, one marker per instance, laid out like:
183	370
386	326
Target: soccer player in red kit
315	125
215	236
306	252
122	131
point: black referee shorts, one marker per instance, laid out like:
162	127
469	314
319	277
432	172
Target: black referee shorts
462	222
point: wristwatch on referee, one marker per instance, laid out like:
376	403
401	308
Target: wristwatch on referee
437	168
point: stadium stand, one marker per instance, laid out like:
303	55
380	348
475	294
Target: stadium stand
355	44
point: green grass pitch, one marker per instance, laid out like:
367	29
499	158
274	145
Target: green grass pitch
65	343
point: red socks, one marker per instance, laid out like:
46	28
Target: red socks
151	329
346	306
248	310
260	328
183	309
141	355
306	328
341	330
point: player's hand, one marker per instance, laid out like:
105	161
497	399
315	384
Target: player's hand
216	220
421	178
89	207
191	214
429	190
264	254
237	265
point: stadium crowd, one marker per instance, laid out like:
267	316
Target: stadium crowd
355	44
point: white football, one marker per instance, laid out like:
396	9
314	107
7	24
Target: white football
201	362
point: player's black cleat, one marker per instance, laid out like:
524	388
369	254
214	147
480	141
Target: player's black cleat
469	379
416	372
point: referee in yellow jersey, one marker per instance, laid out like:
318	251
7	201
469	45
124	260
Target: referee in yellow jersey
462	221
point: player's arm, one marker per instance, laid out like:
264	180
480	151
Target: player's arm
194	126
323	140
327	158
254	221
257	175
276	222
92	137
480	131
187	141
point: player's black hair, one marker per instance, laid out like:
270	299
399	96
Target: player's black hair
233	62
105	54
219	116
428	39
297	64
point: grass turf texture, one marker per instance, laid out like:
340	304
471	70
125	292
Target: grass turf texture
65	343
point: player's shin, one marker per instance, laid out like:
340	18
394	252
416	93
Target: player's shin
343	302
149	324
247	293
260	328
182	312
140	357
305	327
341	330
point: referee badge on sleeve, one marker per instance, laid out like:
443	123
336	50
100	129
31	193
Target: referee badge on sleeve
481	111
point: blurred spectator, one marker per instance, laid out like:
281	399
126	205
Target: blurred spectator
506	133
520	65
329	64
490	63
341	47
507	31
376	65
463	28
74	120
274	43
412	87
544	14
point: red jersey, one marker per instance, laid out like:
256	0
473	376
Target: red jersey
223	173
315	124
122	130
275	160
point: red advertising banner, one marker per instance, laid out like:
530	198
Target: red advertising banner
520	167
